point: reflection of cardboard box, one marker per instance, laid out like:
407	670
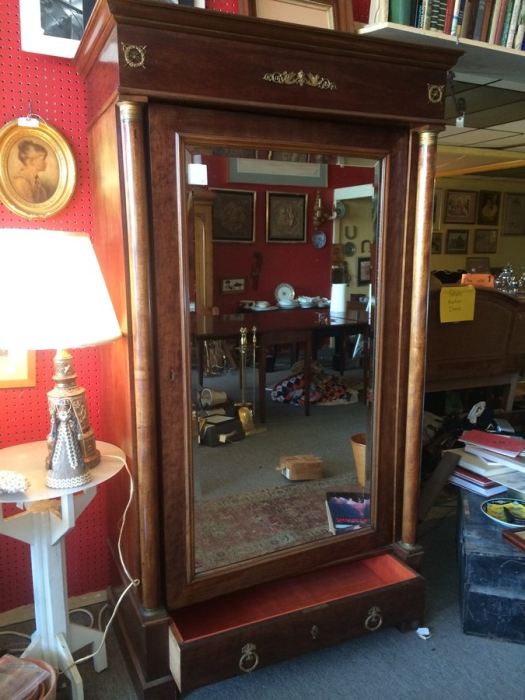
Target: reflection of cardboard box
301	467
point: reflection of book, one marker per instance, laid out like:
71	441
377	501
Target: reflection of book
347	511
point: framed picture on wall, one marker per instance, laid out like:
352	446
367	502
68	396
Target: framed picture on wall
37	169
513	223
53	27
285	217
460	207
327	14
17	369
485	240
488	208
233	216
437	243
363	271
457	241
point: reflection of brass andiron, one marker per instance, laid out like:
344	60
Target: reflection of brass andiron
244	409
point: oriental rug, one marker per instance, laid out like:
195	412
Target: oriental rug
238	527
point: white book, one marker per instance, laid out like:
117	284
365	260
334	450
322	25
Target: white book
478	465
475	488
514	20
517	463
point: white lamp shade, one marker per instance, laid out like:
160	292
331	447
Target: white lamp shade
52	292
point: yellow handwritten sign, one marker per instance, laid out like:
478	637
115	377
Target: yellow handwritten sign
457	304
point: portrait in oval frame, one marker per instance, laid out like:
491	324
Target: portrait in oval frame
37	169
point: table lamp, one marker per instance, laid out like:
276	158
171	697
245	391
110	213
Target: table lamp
53	296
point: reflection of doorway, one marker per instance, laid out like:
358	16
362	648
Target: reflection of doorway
202	200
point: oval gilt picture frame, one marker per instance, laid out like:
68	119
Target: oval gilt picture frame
37	169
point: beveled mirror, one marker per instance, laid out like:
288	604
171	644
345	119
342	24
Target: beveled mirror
282	329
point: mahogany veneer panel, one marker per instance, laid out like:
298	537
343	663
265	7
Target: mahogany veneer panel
285	618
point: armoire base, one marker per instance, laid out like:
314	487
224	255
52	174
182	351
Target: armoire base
143	638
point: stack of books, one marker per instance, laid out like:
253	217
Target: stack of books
490	463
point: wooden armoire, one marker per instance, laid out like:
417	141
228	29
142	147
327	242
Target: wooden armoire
165	82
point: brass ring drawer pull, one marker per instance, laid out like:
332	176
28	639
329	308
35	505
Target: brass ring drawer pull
249	658
374	620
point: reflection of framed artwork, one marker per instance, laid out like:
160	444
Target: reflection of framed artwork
327	14
437	243
37	169
457	241
485	240
285	217
488	208
513	214
17	369
53	27
233	216
363	271
460	207
480	265
437	207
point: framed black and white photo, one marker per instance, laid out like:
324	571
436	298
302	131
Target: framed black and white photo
363	271
53	27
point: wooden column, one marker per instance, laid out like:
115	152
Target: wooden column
139	257
202	200
418	325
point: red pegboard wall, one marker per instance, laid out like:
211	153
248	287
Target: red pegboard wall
56	93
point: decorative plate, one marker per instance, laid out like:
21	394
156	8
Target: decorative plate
319	239
284	292
349	249
508	512
340	210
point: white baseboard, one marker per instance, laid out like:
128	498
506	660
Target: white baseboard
27	612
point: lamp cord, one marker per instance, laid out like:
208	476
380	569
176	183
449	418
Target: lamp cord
133	582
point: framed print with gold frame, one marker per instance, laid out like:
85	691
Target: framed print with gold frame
233	216
326	14
285	217
37	168
17	369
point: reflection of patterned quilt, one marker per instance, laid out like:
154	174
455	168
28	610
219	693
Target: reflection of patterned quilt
324	389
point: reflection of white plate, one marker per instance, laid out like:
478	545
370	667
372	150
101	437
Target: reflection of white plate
264	308
284	292
319	239
288	304
504	510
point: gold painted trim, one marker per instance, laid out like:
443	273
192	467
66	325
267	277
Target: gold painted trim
134	55
435	93
300	78
37	169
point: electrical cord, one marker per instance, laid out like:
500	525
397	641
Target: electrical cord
133	582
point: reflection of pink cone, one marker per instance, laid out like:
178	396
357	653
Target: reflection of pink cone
359	449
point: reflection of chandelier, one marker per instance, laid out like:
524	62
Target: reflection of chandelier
320	216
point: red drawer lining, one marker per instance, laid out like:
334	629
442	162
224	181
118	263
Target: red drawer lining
276	598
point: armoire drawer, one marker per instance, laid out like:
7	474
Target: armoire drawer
243	631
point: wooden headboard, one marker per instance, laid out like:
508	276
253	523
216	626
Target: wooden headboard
488	351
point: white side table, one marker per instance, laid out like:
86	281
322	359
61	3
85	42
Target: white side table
49	514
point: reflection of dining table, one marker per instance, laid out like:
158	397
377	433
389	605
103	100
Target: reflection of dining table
305	327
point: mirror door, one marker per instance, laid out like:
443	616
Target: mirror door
282	366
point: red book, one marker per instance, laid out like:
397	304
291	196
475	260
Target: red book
478	479
486	20
502	444
500	21
449	13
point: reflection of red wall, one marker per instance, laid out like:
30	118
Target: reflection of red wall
306	268
360	7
